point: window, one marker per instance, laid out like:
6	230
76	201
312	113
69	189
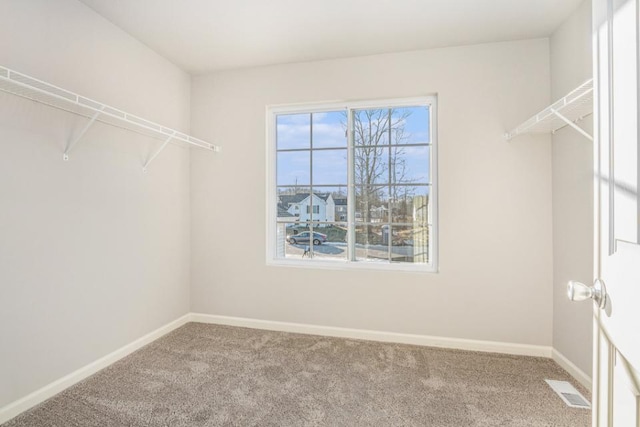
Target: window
364	178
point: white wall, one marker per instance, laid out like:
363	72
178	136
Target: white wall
572	193
495	207
92	253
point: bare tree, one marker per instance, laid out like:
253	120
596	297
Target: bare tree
378	138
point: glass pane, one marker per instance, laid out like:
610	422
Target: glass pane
371	165
410	165
339	195
281	235
293	131
329	129
291	203
371	127
297	203
410	204
330	241
372	204
329	204
283	247
410	125
318	206
294	168
330	167
409	243
370	245
297	240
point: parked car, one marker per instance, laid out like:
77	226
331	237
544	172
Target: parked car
318	238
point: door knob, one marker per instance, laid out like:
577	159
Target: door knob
577	291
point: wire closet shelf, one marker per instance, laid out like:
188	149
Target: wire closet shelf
37	90
572	108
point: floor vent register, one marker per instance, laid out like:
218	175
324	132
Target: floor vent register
569	394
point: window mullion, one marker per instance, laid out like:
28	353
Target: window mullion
391	166
351	193
310	207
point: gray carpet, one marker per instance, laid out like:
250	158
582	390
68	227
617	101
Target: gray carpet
207	375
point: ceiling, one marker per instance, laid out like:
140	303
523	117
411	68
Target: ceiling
209	35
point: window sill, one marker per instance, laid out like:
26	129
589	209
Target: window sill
352	266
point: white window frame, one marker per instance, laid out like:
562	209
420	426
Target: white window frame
272	111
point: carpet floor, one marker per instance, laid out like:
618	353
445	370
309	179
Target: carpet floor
209	375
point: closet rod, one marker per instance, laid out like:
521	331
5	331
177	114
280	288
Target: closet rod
40	91
568	110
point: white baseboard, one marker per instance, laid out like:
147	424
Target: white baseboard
572	369
363	334
15	408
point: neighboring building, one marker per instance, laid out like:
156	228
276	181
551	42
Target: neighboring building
379	214
284	215
304	206
421	209
341	208
281	231
420	230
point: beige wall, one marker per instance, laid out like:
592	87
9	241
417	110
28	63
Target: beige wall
495	198
572	193
92	253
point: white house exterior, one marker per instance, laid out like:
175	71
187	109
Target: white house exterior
304	207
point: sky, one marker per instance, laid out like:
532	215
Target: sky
330	166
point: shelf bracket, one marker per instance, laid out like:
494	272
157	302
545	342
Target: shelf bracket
84	130
572	124
154	155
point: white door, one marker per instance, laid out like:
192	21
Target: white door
616	376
